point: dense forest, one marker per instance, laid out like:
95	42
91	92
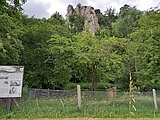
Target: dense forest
56	56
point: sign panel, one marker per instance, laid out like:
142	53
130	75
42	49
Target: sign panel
11	80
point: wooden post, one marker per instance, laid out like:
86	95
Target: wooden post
132	100
155	100
15	102
79	96
8	104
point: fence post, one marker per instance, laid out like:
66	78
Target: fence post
79	96
8	104
155	100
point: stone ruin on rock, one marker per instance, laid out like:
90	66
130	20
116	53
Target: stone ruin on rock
88	12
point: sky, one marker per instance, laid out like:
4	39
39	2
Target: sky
45	8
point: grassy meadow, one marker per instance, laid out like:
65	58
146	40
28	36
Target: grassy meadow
96	105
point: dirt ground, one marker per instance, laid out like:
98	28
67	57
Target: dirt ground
92	119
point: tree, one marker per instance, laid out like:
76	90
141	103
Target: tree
87	59
95	60
36	57
10	44
61	56
102	19
127	21
146	49
11	7
105	22
59	17
17	3
76	22
111	16
103	33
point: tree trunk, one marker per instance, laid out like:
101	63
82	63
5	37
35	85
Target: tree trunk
92	83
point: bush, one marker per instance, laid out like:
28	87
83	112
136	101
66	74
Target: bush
87	86
102	86
70	86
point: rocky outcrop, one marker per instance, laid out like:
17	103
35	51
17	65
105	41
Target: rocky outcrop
88	12
70	11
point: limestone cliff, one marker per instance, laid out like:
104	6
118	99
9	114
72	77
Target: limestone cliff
88	12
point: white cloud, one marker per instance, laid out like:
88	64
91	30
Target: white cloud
45	8
57	6
147	5
36	8
61	5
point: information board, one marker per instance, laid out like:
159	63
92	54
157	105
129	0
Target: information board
11	80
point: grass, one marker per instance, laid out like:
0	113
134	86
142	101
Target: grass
94	119
92	107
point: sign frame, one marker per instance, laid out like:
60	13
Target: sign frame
11	81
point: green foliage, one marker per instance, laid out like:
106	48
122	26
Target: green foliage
127	22
17	4
97	60
102	85
106	20
146	49
101	18
10	45
59	17
37	57
87	56
86	86
102	33
61	54
76	22
55	57
11	7
111	16
70	86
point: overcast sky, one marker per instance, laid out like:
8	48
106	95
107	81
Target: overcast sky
45	8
